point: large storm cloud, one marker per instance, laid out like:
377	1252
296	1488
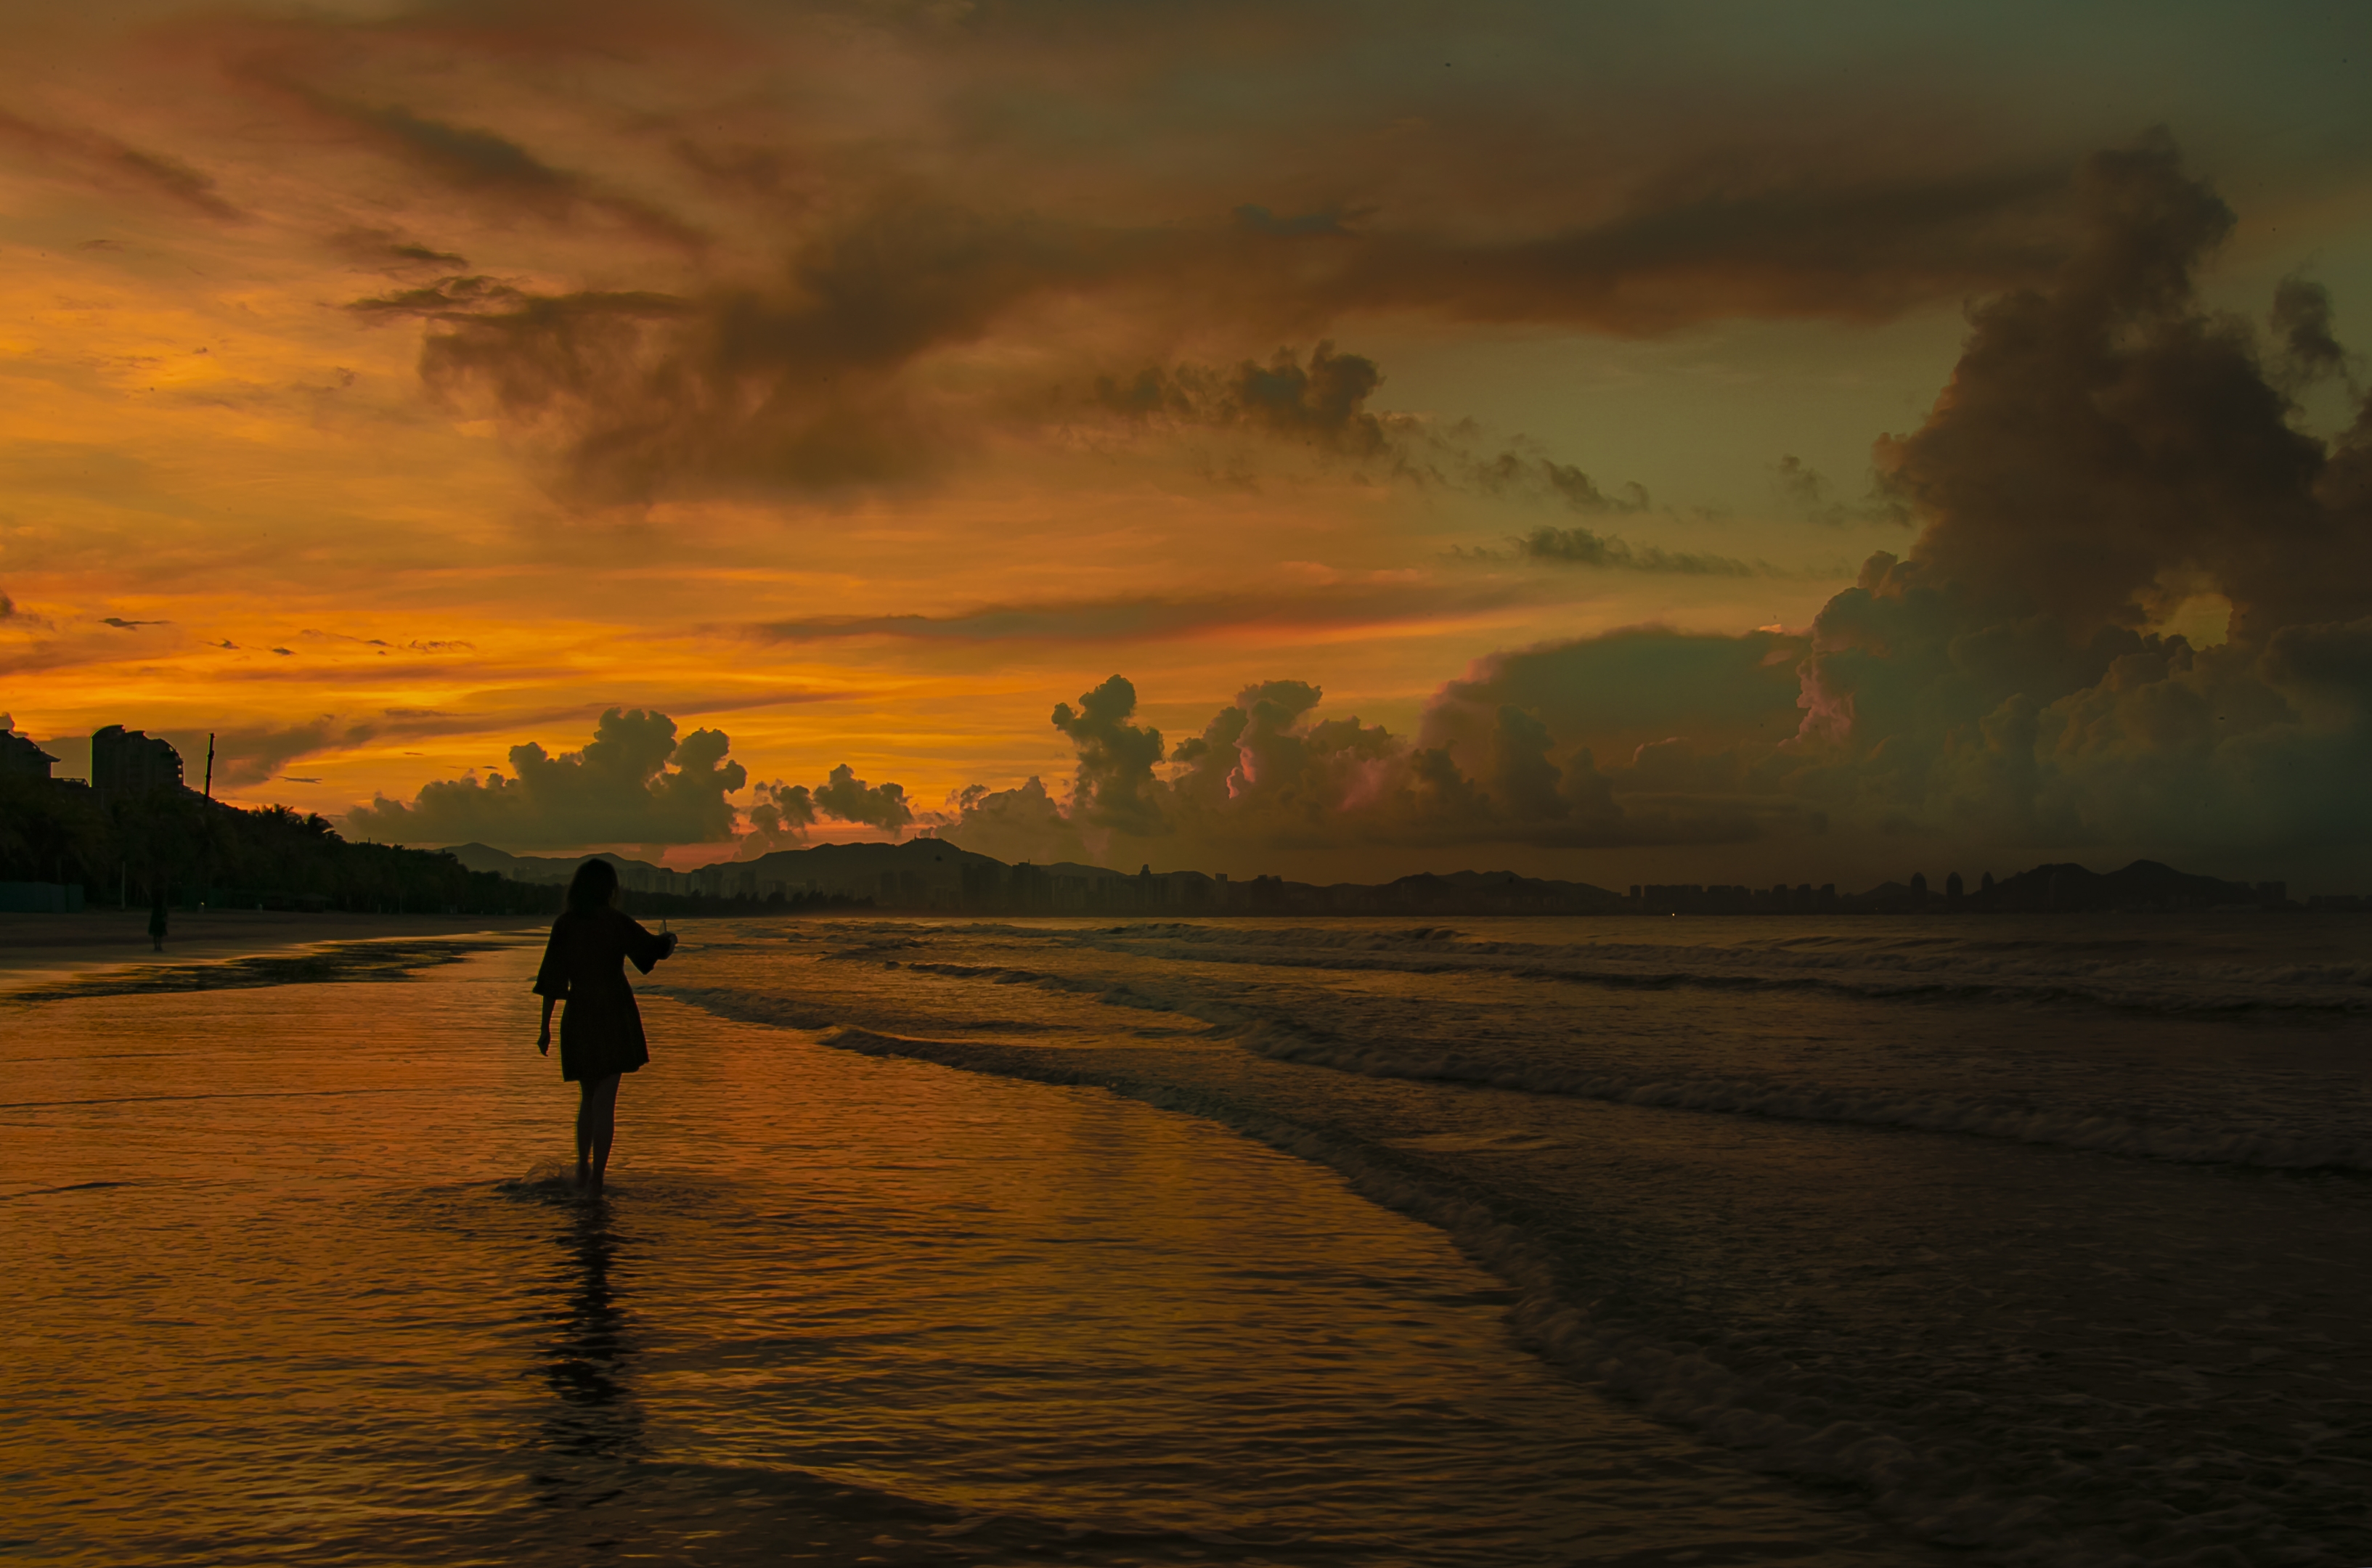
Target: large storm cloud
2109	458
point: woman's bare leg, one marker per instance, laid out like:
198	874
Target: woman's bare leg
597	1128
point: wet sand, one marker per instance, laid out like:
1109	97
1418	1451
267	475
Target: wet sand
104	936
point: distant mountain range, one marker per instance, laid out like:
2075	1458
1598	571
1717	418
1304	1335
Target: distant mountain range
925	875
2145	883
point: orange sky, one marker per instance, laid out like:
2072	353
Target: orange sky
389	386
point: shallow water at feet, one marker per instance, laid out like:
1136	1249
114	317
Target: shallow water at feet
295	1281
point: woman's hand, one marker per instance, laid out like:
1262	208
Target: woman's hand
543	1041
667	940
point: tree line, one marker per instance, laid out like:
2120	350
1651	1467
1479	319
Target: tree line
176	844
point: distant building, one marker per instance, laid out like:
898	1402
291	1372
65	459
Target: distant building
20	758
126	763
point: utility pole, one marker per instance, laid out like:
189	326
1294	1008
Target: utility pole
210	765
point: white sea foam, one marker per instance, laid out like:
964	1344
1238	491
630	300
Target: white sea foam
2261	1146
2269	1149
2125	974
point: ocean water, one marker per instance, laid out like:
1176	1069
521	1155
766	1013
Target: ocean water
1520	1242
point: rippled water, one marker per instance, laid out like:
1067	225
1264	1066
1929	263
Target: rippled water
2043	1238
1529	1241
291	1281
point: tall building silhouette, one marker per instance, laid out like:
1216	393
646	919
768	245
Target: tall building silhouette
127	763
21	758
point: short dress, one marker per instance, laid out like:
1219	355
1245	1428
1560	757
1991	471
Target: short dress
583	965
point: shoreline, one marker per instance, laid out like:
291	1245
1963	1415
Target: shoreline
101	937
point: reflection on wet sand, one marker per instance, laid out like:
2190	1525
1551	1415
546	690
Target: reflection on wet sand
836	1308
595	1431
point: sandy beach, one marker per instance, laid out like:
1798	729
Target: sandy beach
103	936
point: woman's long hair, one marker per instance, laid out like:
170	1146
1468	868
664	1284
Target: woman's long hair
591	886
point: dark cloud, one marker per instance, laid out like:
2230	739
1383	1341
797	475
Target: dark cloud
780	816
634	395
450	300
2110	450
8	608
1022	823
107	161
466	156
2301	320
1700	244
1806	492
1572	487
851	800
121	624
1628	688
385	250
1114	785
1579	547
488	163
816	378
1354	603
247	757
633	783
2108	445
1322	404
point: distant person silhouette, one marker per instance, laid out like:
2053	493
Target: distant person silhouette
601	1032
157	923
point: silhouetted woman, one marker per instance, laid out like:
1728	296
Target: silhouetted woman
601	1032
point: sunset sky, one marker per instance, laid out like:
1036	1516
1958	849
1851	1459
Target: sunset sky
392	387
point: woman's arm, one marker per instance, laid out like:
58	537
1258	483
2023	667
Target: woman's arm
646	947
543	1039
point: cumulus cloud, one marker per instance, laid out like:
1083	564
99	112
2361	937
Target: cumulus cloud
1114	786
633	783
779	816
2107	452
849	799
1023	823
1267	774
